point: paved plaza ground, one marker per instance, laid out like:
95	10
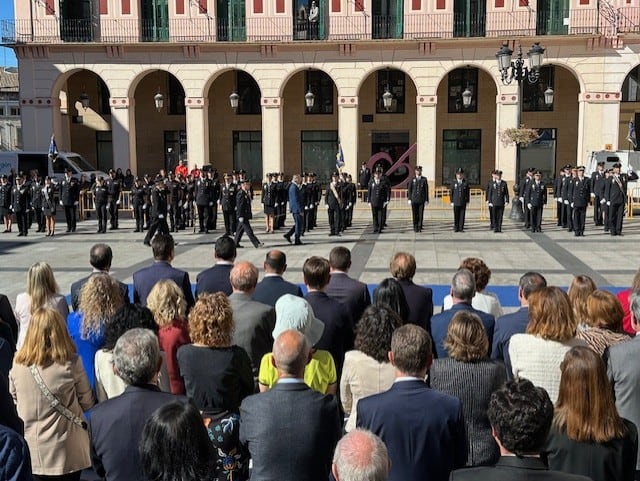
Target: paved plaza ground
610	261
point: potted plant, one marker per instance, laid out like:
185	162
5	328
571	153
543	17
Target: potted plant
521	136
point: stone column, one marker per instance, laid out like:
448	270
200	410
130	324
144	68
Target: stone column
593	132
123	134
426	126
197	120
348	133
272	160
507	116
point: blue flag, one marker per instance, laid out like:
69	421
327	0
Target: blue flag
339	157
631	136
53	148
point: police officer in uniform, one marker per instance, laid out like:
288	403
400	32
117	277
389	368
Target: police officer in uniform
580	196
159	210
459	193
535	198
21	204
114	187
36	201
315	196
615	195
243	211
69	199
497	198
5	203
268	199
212	220
522	188
597	193
351	194
101	200
138	200
174	189
203	195
557	194
364	177
377	195
228	192
418	197
565	194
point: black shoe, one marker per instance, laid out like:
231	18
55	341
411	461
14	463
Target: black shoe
136	230
375	231
73	229
288	237
260	244
68	230
238	246
20	234
298	243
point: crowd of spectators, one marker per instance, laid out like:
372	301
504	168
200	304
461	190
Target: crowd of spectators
254	379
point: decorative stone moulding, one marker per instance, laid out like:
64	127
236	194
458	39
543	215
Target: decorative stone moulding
600	97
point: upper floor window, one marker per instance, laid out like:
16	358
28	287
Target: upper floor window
15	111
249	100
392	81
321	85
533	94
2	111
631	86
460	80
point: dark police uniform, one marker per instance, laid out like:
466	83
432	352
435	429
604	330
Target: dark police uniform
418	196
597	189
522	188
138	200
159	210
5	199
615	194
203	196
114	187
243	211
21	203
69	198
36	203
228	203
535	198
333	200
101	200
565	194
378	196
580	197
459	193
497	198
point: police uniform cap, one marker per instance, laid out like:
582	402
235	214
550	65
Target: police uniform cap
459	170
158	178
581	168
537	172
246	181
419	167
379	170
531	170
68	169
567	167
602	162
617	165
226	174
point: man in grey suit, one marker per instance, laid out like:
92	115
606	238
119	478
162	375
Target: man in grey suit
351	293
273	286
623	370
254	320
290	430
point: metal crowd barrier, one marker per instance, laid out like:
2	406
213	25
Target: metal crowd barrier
87	204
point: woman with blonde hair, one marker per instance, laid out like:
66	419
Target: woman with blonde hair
47	369
551	332
603	324
588	436
471	376
42	291
166	302
217	377
579	290
100	297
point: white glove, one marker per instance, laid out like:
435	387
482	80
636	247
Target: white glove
241	219
490	204
529	206
75	203
210	204
275	205
169	208
522	199
566	202
608	202
385	204
144	207
560	199
161	216
326	206
603	201
179	203
186	206
592	194
11	207
349	205
306	208
572	204
409	202
451	204
61	203
118	202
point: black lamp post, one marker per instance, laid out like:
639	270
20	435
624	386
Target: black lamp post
511	70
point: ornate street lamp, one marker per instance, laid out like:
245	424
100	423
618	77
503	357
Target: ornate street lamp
158	99
467	96
234	98
84	99
309	99
548	96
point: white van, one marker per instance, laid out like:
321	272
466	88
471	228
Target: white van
54	167
628	159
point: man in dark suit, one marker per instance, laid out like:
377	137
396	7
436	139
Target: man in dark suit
378	197
417	197
21	204
623	371
535	198
364	177
100	258
333	202
69	199
597	193
351	293
290	430
515	322
115	425
338	334
297	210
497	197
520	415
422	428
216	278
522	188
254	320
463	288
459	193
615	195
580	197
419	298
163	253
273	286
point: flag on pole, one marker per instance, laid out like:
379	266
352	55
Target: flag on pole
339	157
631	136
53	148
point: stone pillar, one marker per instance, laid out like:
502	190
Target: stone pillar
426	126
123	134
197	120
507	116
38	114
348	133
272	160
593	132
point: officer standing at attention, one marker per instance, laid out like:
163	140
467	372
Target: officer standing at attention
522	188
21	203
377	195
535	198
597	193
114	186
36	201
497	198
138	197
100	200
459	193
364	177
615	196
69	199
580	196
333	202
418	197
203	194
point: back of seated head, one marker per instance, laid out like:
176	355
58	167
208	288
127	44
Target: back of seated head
243	276
225	248
163	247
480	270
403	265
128	316
316	272
521	415
136	356
411	350
100	257
275	261
340	258
175	445
463	285
361	456
530	282
291	353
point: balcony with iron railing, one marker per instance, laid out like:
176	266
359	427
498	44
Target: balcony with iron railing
205	29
